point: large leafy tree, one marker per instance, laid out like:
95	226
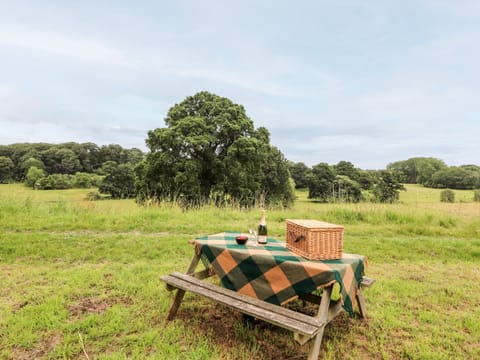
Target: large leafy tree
387	188
210	149
320	182
346	168
299	172
119	181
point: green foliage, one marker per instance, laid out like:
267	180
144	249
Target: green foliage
346	168
299	172
82	180
366	179
345	189
66	158
210	150
320	182
54	182
447	195
457	178
387	189
6	169
29	162
33	175
417	170
119	181
336	183
476	195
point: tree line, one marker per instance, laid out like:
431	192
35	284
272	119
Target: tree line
434	173
210	151
344	182
46	166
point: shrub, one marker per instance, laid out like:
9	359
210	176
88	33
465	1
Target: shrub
447	196
81	180
33	175
476	195
54	182
93	196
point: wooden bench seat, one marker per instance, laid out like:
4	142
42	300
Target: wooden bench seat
303	325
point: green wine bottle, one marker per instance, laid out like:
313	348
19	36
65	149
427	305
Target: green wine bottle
262	229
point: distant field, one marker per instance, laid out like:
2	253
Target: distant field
81	278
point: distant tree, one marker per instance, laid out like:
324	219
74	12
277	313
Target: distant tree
6	169
33	175
366	179
276	185
113	152
45	183
387	188
320	182
26	164
447	195
346	189
61	181
68	162
134	156
299	172
107	167
54	182
119	182
417	170
346	168
211	150
82	180
456	178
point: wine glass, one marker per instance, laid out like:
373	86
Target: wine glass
252	238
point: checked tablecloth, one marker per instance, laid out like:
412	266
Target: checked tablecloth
273	273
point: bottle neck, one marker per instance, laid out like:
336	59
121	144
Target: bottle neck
263	220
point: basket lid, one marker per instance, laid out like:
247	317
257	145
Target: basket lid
314	224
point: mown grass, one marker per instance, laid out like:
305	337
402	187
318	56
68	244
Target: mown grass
81	278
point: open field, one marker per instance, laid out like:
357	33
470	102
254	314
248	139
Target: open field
80	279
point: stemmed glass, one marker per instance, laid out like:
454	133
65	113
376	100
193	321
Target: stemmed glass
252	238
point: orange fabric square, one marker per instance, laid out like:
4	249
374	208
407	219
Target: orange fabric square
313	268
248	290
277	279
348	278
225	261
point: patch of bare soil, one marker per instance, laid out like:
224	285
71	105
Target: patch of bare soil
220	324
45	346
96	305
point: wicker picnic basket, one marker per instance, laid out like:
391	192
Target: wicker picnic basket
315	240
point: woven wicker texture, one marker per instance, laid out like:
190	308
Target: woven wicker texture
315	240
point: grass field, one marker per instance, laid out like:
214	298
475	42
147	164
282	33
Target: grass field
80	279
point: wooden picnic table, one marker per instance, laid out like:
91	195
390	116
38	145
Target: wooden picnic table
257	279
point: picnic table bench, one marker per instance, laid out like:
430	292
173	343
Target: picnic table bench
303	326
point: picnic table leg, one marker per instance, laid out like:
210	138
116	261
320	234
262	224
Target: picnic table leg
181	293
322	315
361	303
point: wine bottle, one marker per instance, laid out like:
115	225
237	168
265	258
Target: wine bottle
262	229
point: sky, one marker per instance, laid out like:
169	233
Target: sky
370	82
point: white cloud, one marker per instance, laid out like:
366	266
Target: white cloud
58	43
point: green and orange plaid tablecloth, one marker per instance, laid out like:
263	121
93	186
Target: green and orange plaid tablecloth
273	273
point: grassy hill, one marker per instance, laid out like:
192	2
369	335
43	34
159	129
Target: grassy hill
81	279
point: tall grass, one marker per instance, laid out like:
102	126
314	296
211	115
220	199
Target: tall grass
81	277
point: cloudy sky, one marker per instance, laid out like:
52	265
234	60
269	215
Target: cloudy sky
370	82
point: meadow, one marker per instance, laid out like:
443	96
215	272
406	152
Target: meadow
80	279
